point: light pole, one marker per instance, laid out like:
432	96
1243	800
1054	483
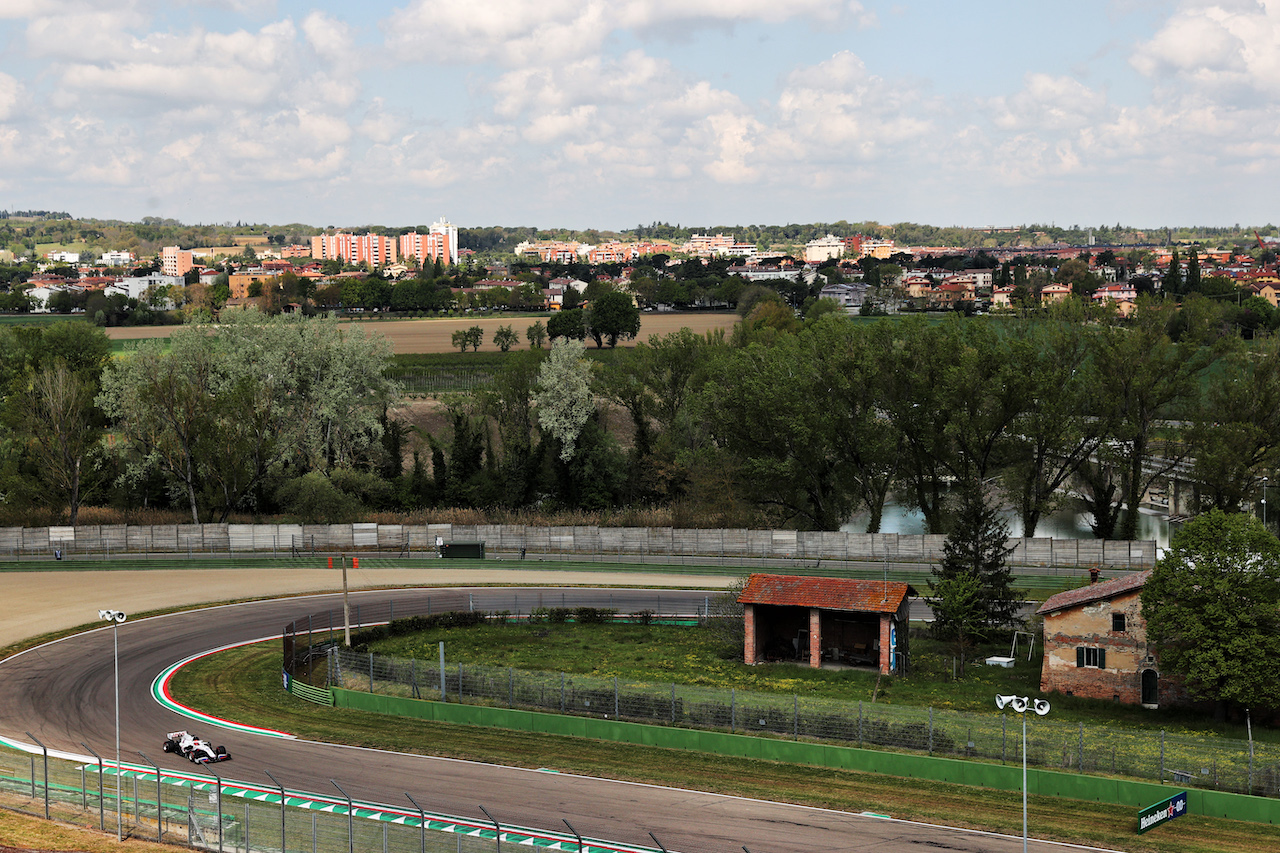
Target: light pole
1020	704
115	617
1264	501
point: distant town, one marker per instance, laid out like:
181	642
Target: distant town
160	271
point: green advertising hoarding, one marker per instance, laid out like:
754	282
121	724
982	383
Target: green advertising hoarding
1162	812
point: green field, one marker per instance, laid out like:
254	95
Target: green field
244	684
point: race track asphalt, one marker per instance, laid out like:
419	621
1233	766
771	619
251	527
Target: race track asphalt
63	694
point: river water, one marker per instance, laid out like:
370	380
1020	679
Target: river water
1071	521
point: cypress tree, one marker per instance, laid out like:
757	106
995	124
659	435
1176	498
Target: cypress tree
1172	282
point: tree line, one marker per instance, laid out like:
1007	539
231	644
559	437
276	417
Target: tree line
784	422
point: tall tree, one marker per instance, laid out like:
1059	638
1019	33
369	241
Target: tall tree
1144	381
1193	283
972	585
1059	433
219	414
57	414
1212	608
610	316
766	406
564	397
1172	283
1235	432
508	399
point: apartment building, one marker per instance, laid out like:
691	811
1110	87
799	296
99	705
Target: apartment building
440	243
374	249
176	261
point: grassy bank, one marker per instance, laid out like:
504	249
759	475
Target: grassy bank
244	684
660	654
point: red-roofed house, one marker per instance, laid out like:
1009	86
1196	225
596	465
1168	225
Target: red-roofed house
860	622
1095	645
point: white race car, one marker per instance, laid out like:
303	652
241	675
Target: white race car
193	748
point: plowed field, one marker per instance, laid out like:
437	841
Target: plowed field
435	335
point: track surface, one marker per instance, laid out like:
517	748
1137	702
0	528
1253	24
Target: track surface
63	694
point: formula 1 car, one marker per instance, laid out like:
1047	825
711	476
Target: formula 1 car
193	748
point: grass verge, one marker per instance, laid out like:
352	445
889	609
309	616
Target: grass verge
244	684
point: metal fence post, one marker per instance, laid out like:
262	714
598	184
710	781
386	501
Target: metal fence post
218	780
422	817
159	803
282	806
931	730
733	708
1162	756
576	835
444	697
44	750
497	828
102	817
351	820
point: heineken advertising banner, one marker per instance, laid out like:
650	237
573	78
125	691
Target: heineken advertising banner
1162	812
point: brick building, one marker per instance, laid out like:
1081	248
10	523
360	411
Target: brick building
836	620
1095	645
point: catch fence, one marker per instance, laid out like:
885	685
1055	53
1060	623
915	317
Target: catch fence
205	811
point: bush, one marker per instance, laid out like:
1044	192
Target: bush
593	615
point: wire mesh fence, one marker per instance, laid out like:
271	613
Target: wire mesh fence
204	811
1204	761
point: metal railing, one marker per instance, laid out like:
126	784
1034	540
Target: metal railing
204	811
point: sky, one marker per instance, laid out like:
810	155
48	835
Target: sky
614	113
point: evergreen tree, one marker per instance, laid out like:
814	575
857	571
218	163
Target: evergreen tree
1172	282
1193	271
972	587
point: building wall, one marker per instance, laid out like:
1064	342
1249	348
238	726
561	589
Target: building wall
375	249
1127	652
175	261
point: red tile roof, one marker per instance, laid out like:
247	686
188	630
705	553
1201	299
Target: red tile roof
1094	592
864	596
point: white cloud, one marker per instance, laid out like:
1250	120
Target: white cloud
1049	102
517	32
1221	49
837	105
10	90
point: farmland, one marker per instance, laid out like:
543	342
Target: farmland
435	335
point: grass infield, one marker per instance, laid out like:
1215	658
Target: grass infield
244	684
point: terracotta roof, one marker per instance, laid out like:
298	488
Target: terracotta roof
1094	592
865	596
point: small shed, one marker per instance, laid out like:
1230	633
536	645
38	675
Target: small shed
838	620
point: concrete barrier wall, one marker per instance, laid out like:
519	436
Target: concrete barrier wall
19	542
1007	777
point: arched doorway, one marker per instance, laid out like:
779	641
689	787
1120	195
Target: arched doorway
1150	688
